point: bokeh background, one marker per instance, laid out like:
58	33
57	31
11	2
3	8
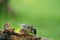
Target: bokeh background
43	14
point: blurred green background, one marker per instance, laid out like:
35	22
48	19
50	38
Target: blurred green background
43	14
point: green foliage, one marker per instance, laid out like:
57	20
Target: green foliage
43	14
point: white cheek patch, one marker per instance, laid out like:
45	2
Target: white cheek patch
7	27
24	26
47	39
